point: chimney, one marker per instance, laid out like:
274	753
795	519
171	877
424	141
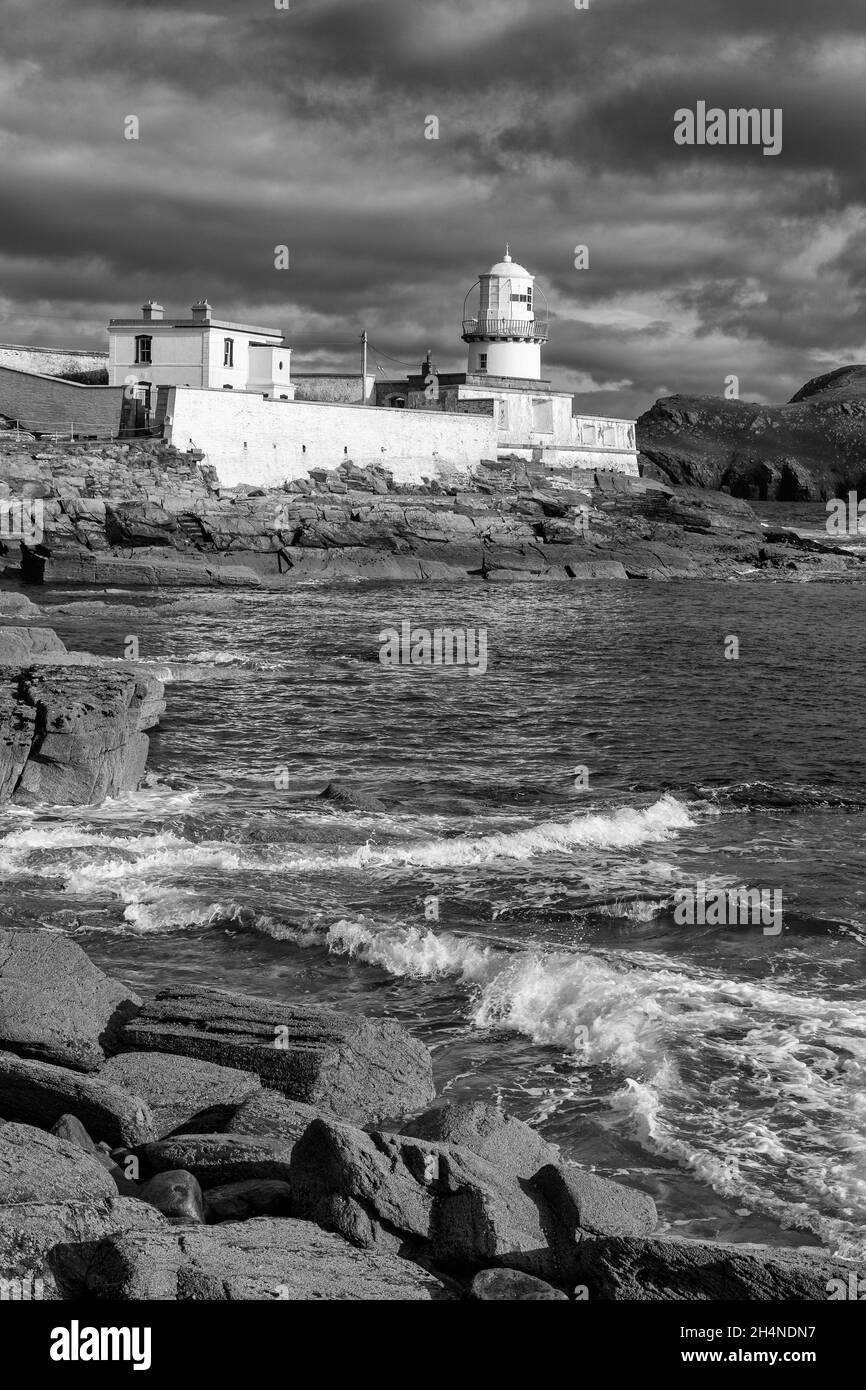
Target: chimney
151	310
201	311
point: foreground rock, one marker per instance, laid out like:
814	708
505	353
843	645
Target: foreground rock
39	1093
54	1241
261	1259
364	1069
37	1167
699	1271
73	736
183	1093
507	1143
177	1195
511	1285
55	1004
446	1204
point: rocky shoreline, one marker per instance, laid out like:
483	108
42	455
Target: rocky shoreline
210	1145
145	515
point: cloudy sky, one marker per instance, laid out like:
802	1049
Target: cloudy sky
306	127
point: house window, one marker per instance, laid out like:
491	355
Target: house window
228	352
482	361
143	349
529	299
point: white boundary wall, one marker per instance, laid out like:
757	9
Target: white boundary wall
265	442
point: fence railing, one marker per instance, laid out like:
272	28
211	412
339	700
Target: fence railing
70	429
487	325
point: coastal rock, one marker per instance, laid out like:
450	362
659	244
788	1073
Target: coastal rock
38	1093
73	736
432	1200
183	1093
238	1201
351	798
55	1004
505	1142
262	1259
18	606
218	1159
808	450
18	645
585	1204
269	1114
364	1069
621	1268
38	1167
54	1241
177	1195
512	1285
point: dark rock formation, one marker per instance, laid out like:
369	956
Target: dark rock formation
362	1068
218	1159
238	1201
810	449
270	1114
55	1241
177	1195
507	1143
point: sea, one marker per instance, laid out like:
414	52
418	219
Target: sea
502	871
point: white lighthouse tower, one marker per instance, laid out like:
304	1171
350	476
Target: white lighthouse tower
503	325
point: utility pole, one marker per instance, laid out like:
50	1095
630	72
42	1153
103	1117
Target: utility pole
364	367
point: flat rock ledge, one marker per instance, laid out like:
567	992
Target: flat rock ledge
211	1146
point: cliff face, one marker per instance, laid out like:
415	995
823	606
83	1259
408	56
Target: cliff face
811	449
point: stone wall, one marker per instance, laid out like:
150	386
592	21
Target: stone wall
44	404
66	362
252	440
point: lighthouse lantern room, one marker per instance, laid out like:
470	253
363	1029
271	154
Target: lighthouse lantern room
503	324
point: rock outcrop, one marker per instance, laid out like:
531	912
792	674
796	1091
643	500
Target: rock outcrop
145	515
811	449
73	736
364	1069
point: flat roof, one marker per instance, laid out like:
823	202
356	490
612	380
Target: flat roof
197	323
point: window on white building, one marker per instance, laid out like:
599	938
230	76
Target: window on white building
143	346
228	352
482	361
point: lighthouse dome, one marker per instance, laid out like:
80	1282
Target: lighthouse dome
509	267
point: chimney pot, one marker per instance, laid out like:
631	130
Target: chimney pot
151	310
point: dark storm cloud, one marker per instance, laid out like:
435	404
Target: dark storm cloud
306	127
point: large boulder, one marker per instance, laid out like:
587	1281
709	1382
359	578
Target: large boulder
264	1259
73	736
696	1271
585	1204
435	1201
54	1241
39	1093
183	1093
38	1167
55	1004
507	1143
364	1069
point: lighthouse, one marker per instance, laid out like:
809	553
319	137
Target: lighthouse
503	324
